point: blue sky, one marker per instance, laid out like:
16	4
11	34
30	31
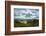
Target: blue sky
26	13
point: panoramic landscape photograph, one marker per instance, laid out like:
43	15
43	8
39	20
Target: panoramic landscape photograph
26	17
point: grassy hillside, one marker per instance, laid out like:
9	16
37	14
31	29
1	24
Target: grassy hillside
26	23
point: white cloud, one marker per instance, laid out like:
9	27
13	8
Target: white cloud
34	13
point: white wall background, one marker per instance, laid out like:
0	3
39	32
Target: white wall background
2	18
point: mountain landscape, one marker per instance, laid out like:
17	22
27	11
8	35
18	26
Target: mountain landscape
25	17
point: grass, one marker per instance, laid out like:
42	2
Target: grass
26	23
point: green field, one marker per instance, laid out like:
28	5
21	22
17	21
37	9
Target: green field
26	23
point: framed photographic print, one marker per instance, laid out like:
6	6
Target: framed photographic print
24	17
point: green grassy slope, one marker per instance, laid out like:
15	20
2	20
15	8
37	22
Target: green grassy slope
27	23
